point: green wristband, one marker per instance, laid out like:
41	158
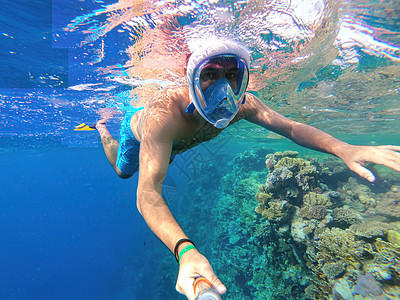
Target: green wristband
184	250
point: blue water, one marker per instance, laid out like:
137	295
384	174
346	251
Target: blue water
69	227
69	230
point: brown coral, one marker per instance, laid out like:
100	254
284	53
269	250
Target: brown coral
263	198
389	204
345	217
317	212
334	270
313	199
278	211
337	244
370	230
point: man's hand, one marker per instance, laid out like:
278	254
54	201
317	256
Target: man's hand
355	157
192	266
102	128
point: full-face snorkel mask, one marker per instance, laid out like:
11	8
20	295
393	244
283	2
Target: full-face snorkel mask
218	76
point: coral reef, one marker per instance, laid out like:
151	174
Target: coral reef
314	199
286	227
334	270
317	212
389	204
344	217
332	219
370	230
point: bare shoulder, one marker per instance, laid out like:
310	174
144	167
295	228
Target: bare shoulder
163	113
168	99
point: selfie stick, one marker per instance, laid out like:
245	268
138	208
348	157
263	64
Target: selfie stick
204	291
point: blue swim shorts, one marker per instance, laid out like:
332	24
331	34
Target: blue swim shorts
129	147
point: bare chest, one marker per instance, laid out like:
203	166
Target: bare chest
196	137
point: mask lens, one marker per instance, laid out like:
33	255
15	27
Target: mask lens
220	83
224	66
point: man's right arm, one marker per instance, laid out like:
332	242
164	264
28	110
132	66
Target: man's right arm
155	152
354	156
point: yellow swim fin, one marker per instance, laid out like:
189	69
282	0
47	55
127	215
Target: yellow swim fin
84	127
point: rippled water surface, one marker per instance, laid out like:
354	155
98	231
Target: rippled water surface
330	64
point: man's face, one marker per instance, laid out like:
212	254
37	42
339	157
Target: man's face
219	68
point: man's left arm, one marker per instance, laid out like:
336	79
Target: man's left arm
307	136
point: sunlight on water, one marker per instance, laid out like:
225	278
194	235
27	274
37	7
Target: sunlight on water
331	50
328	63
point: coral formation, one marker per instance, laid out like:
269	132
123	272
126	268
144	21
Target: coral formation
317	212
370	230
332	219
334	270
389	204
314	199
344	217
294	227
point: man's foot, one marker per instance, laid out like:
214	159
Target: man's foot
102	128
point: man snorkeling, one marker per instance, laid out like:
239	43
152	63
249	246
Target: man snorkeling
178	119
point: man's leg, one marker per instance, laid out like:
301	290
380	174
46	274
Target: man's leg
110	146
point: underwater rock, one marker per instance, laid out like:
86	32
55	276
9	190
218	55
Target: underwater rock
367	286
387	255
282	185
334	270
307	178
288	153
294	164
380	272
262	197
394	237
317	212
287	159
341	290
272	159
327	212
278	178
290	177
369	230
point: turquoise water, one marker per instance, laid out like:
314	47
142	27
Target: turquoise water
69	226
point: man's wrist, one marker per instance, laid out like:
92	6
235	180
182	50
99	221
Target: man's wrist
341	150
184	250
180	245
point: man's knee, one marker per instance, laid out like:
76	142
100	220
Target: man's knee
122	175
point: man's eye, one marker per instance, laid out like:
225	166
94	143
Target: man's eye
231	75
207	75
